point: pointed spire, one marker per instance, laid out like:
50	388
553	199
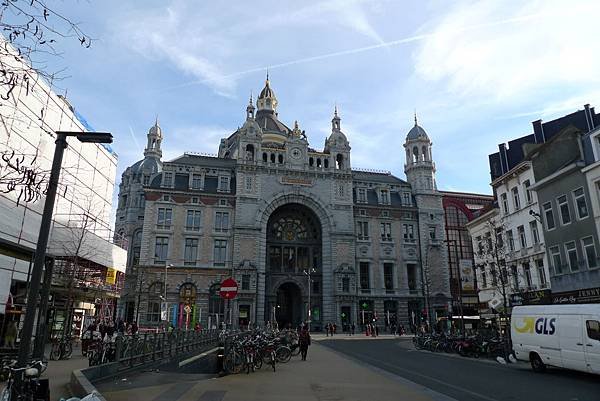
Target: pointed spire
251	101
335	113
250	109
335	121
267	75
416	118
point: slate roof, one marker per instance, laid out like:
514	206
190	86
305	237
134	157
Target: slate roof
199	160
267	120
383	178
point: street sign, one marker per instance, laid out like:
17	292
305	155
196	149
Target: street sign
187	309
229	289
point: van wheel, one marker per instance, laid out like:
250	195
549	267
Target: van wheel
536	364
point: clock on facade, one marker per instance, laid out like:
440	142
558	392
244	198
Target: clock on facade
296	153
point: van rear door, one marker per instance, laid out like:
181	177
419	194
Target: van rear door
592	343
571	342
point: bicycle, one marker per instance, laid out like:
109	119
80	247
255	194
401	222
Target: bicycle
62	348
29	384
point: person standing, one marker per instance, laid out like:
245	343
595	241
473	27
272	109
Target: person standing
304	342
353	328
11	335
334	330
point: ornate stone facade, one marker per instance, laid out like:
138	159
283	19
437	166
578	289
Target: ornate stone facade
268	210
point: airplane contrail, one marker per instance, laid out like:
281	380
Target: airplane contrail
396	42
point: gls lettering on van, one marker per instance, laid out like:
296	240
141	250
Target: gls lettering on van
541	325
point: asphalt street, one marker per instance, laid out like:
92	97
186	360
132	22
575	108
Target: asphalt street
467	379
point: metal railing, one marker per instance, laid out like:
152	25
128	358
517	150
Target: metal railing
141	349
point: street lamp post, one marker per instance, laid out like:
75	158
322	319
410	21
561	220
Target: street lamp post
44	233
167	266
308	273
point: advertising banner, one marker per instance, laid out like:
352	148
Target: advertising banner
111	276
467	277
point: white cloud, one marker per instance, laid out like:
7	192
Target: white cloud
511	50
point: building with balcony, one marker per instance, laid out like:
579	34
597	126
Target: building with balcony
269	208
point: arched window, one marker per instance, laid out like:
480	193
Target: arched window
424	152
280	159
326	163
339	159
187	294
311	161
265	157
272	157
319	163
216	306
250	152
415	157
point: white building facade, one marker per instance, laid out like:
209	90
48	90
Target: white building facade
81	219
508	240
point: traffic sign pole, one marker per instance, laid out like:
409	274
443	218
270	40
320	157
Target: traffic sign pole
228	291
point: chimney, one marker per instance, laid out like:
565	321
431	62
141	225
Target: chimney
538	131
503	158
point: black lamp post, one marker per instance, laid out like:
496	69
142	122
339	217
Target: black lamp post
42	242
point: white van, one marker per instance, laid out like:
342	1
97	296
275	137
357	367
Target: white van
565	336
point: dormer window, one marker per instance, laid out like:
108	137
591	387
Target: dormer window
384	197
167	179
224	184
146	179
362	195
196	181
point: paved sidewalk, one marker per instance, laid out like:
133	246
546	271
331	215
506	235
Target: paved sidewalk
326	375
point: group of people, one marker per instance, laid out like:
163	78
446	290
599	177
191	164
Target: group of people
331	329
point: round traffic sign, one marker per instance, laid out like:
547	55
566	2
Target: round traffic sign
229	289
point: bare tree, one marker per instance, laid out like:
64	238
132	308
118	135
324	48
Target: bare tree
30	35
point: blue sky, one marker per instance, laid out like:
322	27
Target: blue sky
477	73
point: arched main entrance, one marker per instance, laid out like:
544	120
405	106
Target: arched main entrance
288	310
294	246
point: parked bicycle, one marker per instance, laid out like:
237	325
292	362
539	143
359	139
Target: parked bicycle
62	348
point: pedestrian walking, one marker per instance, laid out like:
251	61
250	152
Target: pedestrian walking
376	331
334	329
353	328
304	342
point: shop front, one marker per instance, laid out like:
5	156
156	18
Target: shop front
583	296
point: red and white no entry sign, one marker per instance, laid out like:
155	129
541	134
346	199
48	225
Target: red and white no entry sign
229	289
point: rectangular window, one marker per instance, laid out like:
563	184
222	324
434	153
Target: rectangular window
549	216
406	199
220	254
408	232
190	254
221	221
316	287
589	249
511	240
167	179
483	277
494	274
345	284
515	276
539	263
563	208
388	276
386	232
362	195
411	273
593	329
248	184
192	220
142	200
571	252
153	314
275	258
556	259
146	179
385	197
161	249
528	196
164	218
504	201
365	281
362	230
516	199
499	239
527	275
223	184
580	204
432	233
535	235
289	259
196	181
245	282
522	238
